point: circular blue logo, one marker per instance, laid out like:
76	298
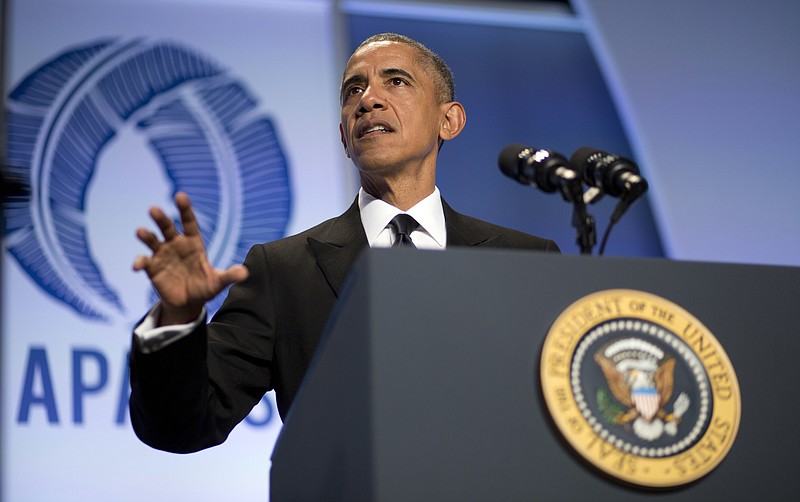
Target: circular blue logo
200	123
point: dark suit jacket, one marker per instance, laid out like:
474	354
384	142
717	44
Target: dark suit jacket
189	395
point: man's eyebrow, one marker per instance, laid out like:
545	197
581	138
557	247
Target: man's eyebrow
396	72
351	80
385	73
388	72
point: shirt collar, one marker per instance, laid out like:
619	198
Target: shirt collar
376	215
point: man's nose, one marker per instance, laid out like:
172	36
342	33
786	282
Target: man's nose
372	98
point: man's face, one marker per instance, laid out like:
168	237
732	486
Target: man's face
390	116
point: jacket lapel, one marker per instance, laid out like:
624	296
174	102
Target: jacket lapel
337	251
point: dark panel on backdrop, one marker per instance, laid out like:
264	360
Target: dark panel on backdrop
537	87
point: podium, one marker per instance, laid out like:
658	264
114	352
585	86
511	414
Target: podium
426	385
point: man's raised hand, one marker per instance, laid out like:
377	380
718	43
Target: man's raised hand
179	268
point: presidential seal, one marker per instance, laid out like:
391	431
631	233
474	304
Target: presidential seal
640	388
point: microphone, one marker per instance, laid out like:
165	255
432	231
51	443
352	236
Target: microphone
549	172
540	168
614	175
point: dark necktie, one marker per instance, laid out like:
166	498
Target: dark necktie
403	225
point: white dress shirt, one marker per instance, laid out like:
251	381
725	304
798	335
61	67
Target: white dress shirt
376	215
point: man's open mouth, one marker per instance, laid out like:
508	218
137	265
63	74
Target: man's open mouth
373	129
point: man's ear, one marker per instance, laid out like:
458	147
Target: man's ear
455	118
344	143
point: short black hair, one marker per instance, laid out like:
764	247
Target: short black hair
441	73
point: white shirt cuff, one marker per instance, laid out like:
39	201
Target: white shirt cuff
150	337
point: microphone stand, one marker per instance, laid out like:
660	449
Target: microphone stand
586	234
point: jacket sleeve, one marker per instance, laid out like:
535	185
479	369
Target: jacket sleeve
188	395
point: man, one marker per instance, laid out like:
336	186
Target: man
192	383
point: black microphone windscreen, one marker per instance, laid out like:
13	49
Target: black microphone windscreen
581	156
509	160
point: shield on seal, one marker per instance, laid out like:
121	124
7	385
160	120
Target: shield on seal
646	400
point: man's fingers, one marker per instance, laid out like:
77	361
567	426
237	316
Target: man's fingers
148	238
234	274
188	219
164	223
140	263
167	226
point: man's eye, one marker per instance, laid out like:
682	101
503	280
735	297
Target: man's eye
398	81
352	91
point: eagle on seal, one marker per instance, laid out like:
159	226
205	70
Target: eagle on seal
644	389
